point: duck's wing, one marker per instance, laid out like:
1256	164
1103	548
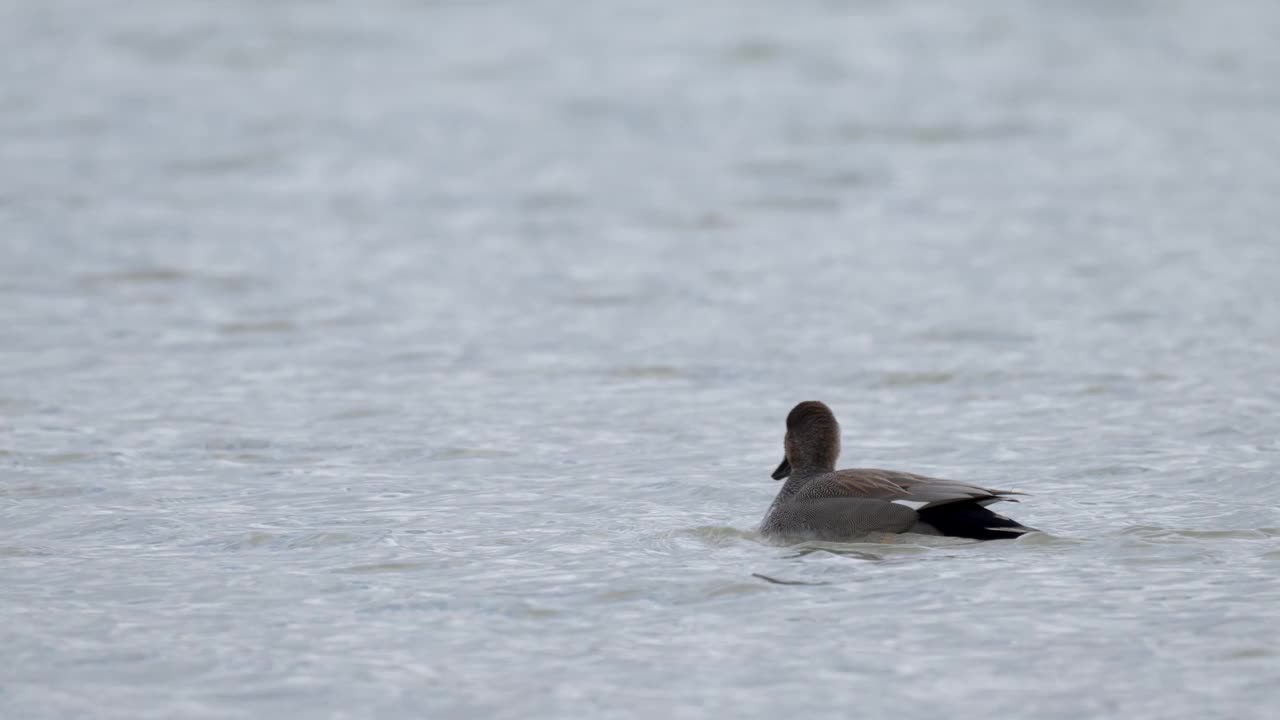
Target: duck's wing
902	488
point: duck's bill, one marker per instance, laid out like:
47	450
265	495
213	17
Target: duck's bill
783	470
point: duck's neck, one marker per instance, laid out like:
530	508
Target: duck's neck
797	480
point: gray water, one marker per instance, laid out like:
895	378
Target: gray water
416	359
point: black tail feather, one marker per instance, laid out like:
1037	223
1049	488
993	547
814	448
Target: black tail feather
968	519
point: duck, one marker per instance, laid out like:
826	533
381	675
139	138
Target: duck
818	502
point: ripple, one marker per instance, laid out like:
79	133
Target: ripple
261	539
753	52
1149	532
1109	471
161	276
35	491
776	581
977	336
471	453
74	457
24	551
648	372
599	299
261	327
385	567
909	379
1250	653
933	134
552	200
794	203
138	276
718	535
838	549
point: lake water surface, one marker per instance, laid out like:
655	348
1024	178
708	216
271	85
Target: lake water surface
419	359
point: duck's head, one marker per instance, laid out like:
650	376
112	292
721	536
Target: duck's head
813	440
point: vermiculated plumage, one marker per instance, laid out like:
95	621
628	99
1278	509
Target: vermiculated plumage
821	502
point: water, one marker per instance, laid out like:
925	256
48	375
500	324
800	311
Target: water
414	359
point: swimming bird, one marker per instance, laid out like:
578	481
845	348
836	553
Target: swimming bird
820	502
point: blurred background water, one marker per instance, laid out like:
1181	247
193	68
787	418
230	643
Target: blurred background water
411	359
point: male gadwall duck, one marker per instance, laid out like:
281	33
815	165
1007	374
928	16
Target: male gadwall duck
820	502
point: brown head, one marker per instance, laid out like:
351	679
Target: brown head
812	442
